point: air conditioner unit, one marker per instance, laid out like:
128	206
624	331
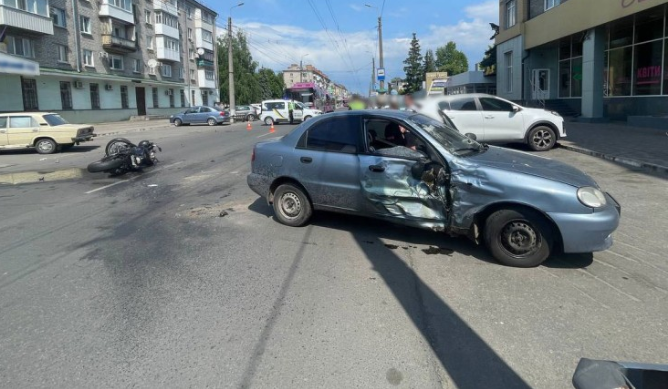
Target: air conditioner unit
104	54
108	87
78	84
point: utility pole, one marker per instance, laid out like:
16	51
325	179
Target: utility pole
231	68
380	47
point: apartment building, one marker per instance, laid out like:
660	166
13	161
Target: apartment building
310	74
601	59
107	60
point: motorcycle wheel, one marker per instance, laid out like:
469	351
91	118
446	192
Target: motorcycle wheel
118	144
106	164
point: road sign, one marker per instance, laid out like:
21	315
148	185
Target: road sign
381	74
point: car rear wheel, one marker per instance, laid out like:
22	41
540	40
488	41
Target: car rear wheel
211	122
291	206
268	121
251	118
177	122
46	146
518	238
542	138
307	118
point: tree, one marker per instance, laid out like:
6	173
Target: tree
271	84
429	64
451	60
488	63
413	68
246	83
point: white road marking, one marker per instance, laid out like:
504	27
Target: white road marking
269	133
132	178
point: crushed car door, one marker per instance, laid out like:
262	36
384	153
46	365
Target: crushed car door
401	182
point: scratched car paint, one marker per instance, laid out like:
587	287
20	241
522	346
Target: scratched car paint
523	207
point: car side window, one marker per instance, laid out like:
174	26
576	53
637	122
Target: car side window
463	104
205	110
492	104
20	121
444	105
192	110
3	122
279	106
337	134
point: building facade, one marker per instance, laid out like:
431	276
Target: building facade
309	73
109	60
601	59
474	81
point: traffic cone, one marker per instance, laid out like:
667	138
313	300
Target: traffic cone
271	129
248	126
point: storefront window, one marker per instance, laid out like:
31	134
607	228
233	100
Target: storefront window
665	70
647	68
620	33
564	79
576	76
564	49
619	71
570	67
649	25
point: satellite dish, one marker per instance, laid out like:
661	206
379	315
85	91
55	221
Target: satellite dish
152	63
200	51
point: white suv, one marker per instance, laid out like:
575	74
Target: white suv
491	119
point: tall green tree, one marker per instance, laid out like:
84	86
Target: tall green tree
488	62
451	60
271	84
429	62
246	83
413	68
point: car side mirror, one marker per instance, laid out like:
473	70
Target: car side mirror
516	108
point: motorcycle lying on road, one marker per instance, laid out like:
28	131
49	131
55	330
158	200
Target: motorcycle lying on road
123	156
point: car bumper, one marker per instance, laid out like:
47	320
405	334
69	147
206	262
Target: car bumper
586	233
226	119
259	184
83	138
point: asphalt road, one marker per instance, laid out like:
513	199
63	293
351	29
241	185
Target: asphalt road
138	282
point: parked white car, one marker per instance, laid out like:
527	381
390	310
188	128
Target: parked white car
276	111
491	119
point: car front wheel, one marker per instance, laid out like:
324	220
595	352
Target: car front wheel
177	122
542	138
518	238
291	206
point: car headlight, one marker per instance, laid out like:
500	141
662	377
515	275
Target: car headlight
591	197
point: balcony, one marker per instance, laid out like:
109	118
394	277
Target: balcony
118	45
202	82
199	42
112	11
13	17
163	29
204	63
165	54
164	6
199	23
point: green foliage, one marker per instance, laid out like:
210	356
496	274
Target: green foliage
488	63
413	68
451	60
429	62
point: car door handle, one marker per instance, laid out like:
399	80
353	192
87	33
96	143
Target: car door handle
377	168
306	159
489	117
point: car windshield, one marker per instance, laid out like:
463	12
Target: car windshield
55	120
451	139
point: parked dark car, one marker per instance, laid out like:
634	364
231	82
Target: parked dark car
246	112
408	168
200	115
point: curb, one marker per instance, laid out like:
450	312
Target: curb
621	160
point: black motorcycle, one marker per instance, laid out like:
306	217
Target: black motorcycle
123	156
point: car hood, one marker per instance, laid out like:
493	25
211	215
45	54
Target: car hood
521	162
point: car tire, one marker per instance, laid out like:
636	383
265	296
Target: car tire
46	146
115	145
268	121
251	118
518	238
291	206
177	122
541	138
211	122
307	118
106	164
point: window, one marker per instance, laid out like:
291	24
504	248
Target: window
66	94
207	36
570	67
205	100
551	4
58	16
158	18
116	62
181	73
190	33
124	97
151	71
208	74
171	44
166	70
149	42
171	98
207	18
192	75
137	66
511	13
20	46
183	97
647	68
88	58
20	121
95	96
192	101
125	4
3	121
508	57
337	135
491	104
29	89
155	98
463	104
84	25
191	54
189	11
147	16
619	71
62	53
33	6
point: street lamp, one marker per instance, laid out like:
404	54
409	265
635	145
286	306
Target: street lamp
380	40
301	68
231	63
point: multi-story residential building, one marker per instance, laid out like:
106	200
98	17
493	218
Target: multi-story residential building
110	59
598	58
309	73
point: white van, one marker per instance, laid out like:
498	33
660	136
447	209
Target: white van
276	111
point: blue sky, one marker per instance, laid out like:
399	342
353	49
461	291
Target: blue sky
340	36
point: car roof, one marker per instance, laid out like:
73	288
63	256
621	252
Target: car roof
389	113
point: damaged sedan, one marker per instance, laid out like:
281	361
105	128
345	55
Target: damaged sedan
410	169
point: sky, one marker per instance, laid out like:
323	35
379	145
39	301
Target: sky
340	37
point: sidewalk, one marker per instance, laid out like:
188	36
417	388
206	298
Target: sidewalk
639	147
114	128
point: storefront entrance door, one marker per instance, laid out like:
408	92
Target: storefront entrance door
540	84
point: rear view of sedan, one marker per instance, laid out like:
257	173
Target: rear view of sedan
410	169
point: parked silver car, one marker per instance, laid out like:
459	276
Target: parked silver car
200	115
411	169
